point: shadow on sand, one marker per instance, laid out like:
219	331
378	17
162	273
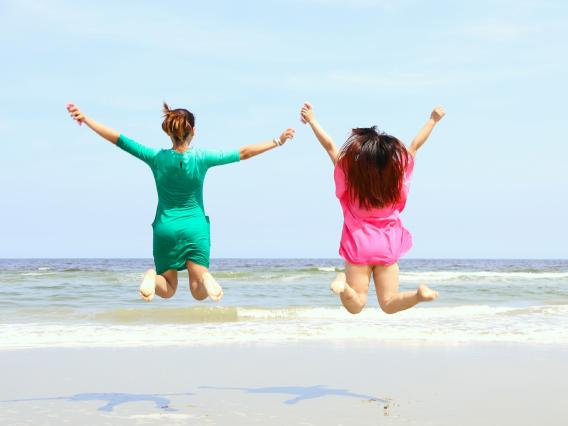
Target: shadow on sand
299	393
112	399
302	393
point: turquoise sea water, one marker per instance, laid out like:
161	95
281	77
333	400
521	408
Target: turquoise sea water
94	302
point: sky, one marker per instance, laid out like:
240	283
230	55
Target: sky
491	182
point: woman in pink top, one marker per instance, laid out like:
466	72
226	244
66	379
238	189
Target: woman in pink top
372	177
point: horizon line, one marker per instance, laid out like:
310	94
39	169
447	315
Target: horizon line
284	258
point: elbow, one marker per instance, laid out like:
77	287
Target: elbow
243	154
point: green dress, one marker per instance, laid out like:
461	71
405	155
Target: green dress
181	228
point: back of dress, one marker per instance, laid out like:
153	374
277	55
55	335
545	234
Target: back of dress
372	236
180	228
179	179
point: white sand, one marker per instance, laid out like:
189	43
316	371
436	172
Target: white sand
419	385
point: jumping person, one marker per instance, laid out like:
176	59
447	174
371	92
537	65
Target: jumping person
181	228
372	174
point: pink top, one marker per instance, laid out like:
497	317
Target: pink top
372	236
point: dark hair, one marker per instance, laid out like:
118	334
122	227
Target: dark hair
178	123
374	164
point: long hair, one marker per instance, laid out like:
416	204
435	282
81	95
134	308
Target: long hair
374	165
178	124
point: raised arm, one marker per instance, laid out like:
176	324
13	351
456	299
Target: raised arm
307	117
249	151
425	131
139	151
109	134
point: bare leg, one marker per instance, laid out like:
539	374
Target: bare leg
353	286
202	284
163	285
390	300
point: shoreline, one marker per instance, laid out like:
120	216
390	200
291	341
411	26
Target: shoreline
337	344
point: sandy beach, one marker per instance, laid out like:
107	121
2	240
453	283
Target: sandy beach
77	346
303	384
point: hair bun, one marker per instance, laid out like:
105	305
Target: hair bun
178	123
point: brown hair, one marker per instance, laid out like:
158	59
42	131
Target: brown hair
374	165
178	123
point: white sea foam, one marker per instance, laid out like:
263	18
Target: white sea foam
95	303
327	269
481	276
539	324
38	274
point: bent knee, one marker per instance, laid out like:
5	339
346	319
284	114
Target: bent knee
199	296
169	294
354	309
387	307
198	293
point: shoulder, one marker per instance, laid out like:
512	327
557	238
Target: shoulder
162	152
199	153
410	150
338	173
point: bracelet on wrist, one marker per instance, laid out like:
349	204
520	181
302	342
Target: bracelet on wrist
277	141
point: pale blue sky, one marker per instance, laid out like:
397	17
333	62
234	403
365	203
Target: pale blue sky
491	181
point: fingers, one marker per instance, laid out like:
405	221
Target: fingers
290	133
287	134
438	113
305	116
73	109
75	113
305	112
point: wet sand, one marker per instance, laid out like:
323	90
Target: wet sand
307	384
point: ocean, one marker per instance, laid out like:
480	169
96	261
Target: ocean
95	302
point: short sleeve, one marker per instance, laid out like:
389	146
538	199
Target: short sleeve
409	168
340	183
140	151
218	158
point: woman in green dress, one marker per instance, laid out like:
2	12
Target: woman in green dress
181	228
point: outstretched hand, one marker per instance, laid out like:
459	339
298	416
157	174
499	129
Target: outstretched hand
75	113
437	114
287	134
306	113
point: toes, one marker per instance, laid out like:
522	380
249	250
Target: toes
337	289
216	297
146	296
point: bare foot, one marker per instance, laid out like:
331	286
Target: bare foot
148	286
426	294
214	290
338	284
